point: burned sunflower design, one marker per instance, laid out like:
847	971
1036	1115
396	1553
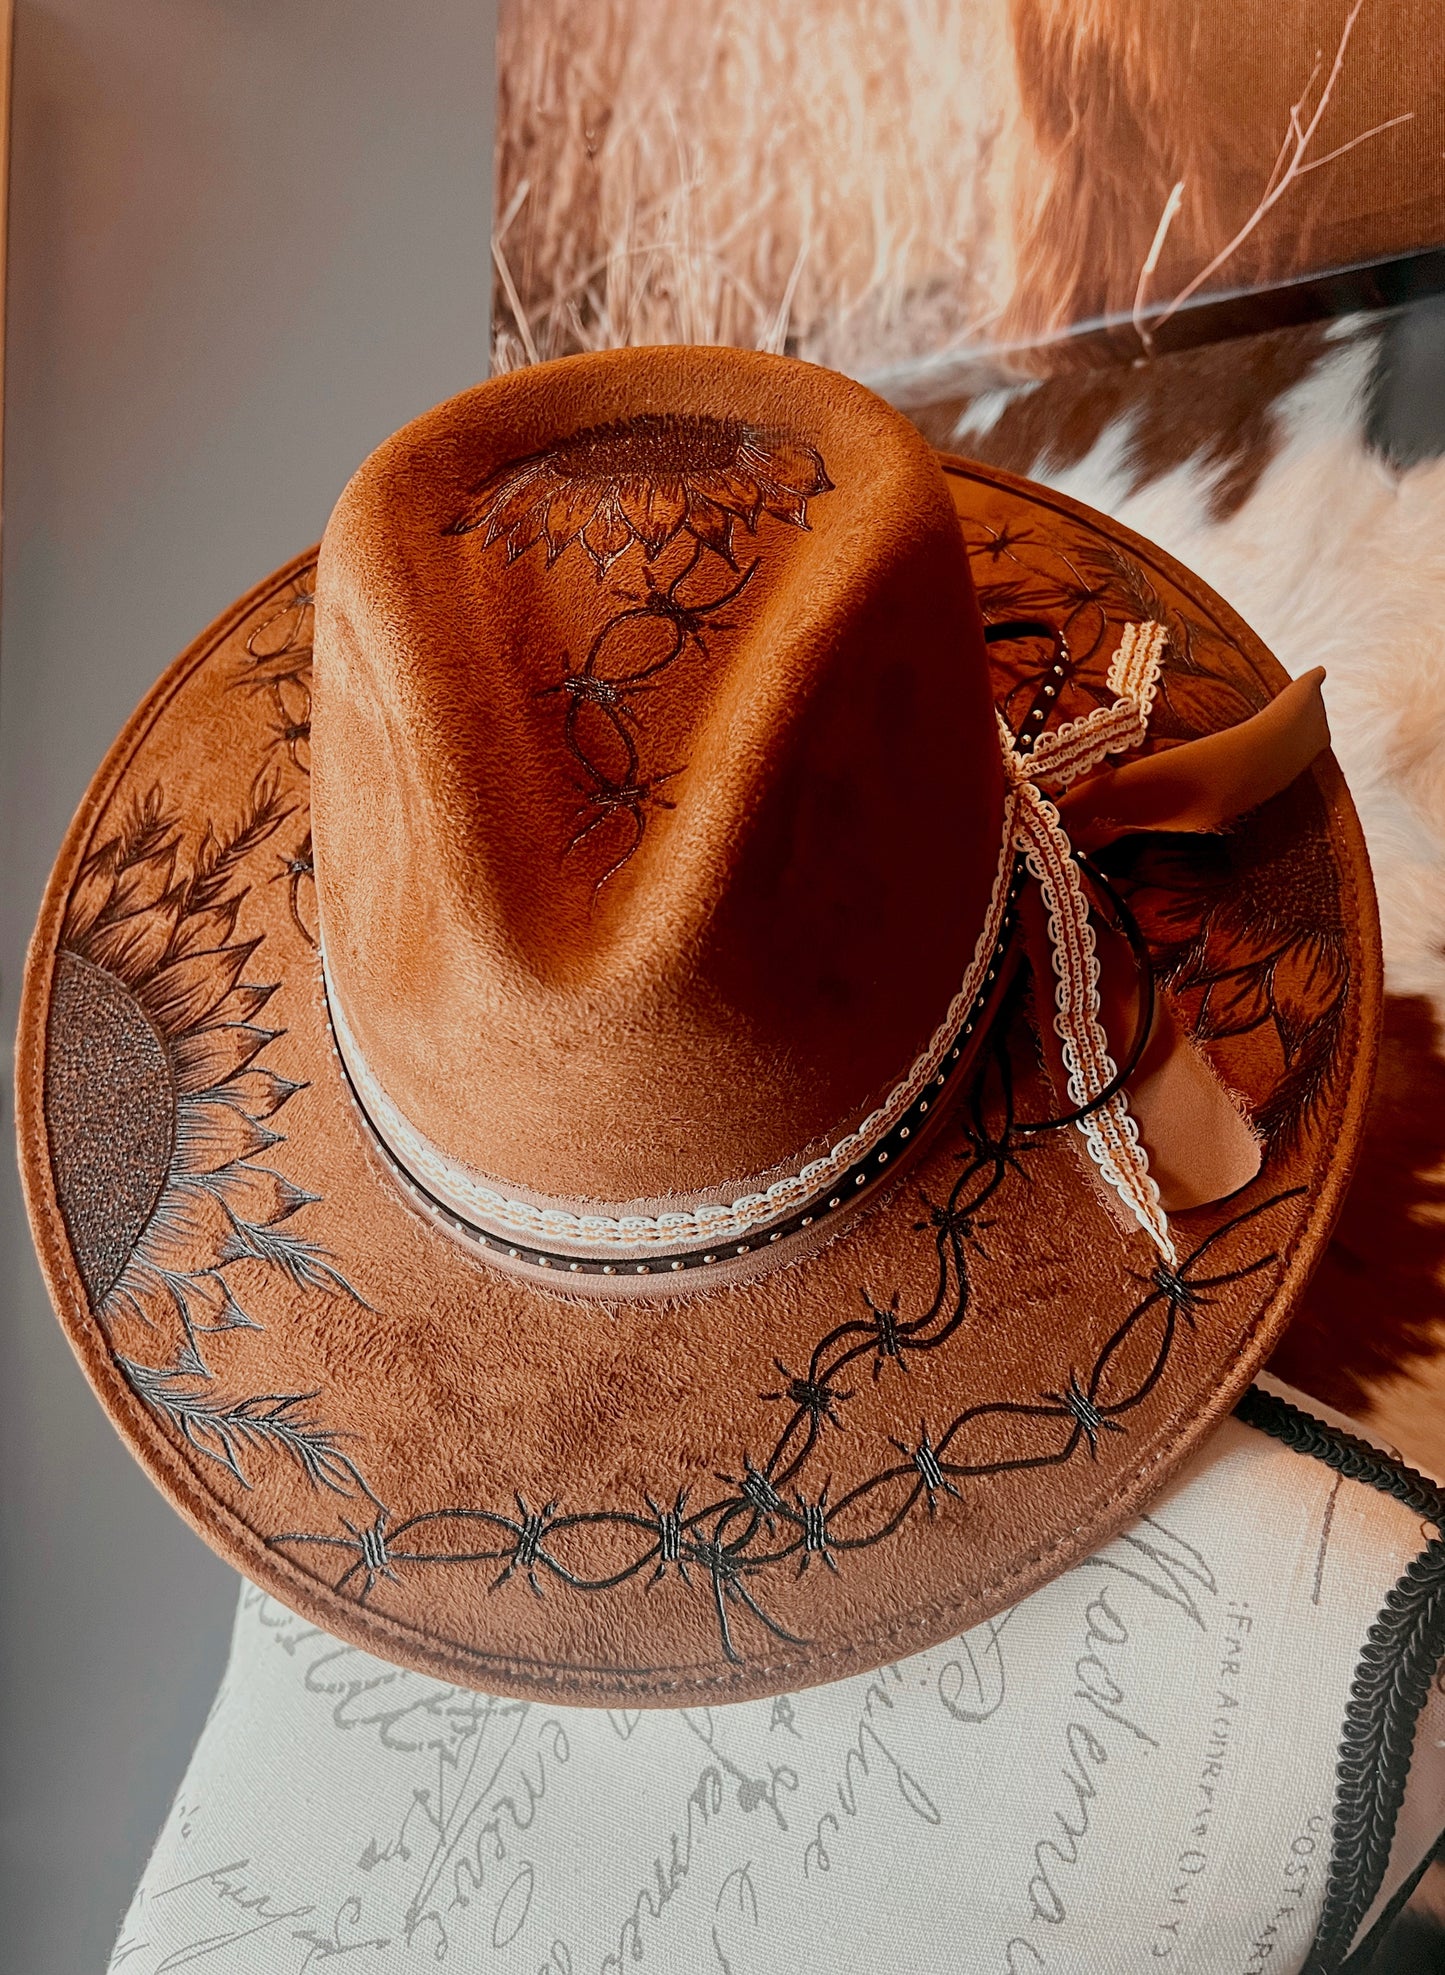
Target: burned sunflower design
650	480
157	1101
1247	928
276	667
1249	932
656	480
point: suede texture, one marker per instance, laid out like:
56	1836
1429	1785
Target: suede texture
470	1473
732	994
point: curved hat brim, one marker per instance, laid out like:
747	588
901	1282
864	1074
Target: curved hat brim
742	1491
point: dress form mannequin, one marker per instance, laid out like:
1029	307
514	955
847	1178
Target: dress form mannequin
1137	1765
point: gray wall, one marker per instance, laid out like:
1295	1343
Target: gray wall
248	240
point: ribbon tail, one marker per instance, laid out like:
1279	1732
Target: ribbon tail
1075	1038
1198	1146
1199	1143
1177	1139
1203	785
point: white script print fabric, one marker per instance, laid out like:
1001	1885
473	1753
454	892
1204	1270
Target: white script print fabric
1216	1748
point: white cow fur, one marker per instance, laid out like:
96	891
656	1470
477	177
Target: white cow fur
1336	559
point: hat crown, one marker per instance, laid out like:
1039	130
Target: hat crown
657	799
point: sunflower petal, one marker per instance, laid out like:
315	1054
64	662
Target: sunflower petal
736	492
186	1233
785	504
1235	1005
248	999
213	1304
94	890
633	499
711	526
606	534
211	1135
140	887
570	509
289	1199
505	505
258	1090
131	948
258	1195
1242	936
654	513
154	1312
209	1057
1307	982
180	996
1172	918
787	462
527	531
666	512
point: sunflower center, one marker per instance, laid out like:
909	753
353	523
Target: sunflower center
110	1111
1288	883
653	446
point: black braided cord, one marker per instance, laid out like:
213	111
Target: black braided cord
1402	1652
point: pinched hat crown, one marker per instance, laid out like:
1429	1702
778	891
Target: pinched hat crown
657	790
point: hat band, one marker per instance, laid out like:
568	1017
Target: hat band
613	1240
551	1234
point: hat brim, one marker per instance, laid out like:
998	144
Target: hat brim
730	1493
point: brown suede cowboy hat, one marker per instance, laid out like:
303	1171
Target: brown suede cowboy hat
701	1053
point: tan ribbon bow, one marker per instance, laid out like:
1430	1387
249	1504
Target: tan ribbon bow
1196	786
